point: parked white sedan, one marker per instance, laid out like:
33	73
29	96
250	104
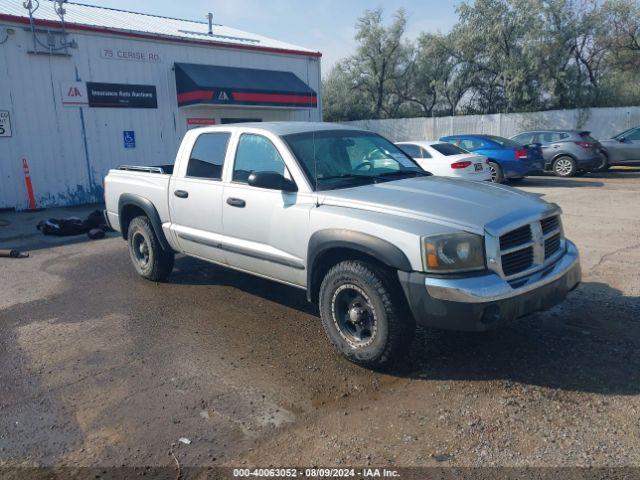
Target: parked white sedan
447	160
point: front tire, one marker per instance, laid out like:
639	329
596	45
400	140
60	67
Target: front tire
364	314
149	259
564	166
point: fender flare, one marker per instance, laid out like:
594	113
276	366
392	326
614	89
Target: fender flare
127	199
328	239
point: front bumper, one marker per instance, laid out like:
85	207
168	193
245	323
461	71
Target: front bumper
487	301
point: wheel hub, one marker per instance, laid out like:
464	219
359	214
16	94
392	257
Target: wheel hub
354	316
357	314
140	249
563	167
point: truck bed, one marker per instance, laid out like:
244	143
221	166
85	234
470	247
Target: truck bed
149	182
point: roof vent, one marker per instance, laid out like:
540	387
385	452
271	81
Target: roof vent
210	18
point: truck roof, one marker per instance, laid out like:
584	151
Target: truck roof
286	128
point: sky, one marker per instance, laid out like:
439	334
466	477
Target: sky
324	25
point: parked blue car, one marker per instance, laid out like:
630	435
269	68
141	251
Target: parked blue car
507	159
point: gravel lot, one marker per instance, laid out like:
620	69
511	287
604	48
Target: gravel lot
103	368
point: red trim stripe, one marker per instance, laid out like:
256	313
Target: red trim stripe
204	95
165	38
275	98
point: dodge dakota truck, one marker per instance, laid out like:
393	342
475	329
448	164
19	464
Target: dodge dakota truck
377	243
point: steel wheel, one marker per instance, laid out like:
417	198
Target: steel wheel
140	249
354	316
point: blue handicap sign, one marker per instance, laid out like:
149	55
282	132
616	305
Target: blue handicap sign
129	138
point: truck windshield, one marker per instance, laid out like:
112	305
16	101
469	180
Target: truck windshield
344	158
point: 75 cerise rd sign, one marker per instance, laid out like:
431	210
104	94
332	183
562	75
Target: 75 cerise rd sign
130	54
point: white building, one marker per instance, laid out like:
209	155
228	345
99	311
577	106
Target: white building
100	87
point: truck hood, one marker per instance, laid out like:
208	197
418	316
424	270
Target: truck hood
458	204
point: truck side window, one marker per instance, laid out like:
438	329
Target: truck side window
256	153
207	156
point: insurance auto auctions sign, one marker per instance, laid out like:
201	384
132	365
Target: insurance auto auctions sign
5	123
119	95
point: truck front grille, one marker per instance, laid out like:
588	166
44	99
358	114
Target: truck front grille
516	237
517	261
550	224
530	247
551	245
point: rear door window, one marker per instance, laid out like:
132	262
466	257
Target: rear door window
448	149
550	137
207	157
425	154
413	151
471	144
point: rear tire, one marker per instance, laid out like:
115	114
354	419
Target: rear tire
365	315
497	176
149	259
564	166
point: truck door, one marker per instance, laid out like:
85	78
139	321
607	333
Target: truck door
195	197
265	230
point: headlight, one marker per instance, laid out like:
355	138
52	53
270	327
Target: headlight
455	252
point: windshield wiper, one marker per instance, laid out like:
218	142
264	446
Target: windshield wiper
402	173
344	175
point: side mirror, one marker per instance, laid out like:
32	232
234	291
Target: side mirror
272	181
622	139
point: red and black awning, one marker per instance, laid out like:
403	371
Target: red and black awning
215	85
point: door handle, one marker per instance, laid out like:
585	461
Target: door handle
181	193
236	202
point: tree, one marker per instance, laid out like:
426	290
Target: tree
501	56
622	27
380	64
341	99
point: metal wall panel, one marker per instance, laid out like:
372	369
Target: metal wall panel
602	122
70	149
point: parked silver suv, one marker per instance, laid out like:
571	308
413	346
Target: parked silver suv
566	152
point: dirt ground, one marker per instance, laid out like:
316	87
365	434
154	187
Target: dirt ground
101	368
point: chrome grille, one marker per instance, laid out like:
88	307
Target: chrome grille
551	245
530	247
516	237
550	224
517	261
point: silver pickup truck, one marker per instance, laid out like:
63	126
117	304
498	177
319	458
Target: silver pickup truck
342	213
